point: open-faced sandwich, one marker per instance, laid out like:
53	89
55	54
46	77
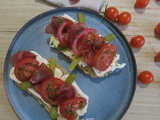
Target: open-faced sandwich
84	46
50	84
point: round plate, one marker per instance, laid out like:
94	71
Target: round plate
109	97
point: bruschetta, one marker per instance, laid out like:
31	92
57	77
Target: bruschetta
50	84
84	46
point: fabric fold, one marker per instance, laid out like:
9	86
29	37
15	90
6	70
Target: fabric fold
95	5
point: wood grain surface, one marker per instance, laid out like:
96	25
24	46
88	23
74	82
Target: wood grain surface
146	103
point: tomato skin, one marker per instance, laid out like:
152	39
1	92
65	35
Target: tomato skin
104	57
69	107
25	68
124	18
158	28
54	91
44	86
157	57
112	13
137	41
146	77
141	3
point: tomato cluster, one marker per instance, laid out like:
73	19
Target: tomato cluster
112	14
83	41
137	41
41	78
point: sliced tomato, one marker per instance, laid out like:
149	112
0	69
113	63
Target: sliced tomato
41	73
21	54
88	57
74	30
25	68
62	32
55	91
98	43
104	57
84	40
69	108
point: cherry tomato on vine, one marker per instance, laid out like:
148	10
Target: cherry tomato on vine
141	3
146	77
111	13
137	41
124	18
157	57
158	28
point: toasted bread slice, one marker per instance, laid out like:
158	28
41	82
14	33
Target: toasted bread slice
93	72
62	75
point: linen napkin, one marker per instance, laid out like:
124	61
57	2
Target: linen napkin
95	5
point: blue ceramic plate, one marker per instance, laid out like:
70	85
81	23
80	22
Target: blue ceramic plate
109	97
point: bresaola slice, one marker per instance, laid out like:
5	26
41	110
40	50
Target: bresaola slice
21	54
63	31
41	73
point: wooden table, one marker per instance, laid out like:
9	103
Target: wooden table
146	103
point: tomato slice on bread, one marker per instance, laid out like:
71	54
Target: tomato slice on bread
25	68
69	108
55	91
84	40
104	57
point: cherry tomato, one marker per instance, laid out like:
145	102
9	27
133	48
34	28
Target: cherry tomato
124	18
69	107
141	3
55	91
112	13
25	68
137	41
158	28
146	77
157	57
104	57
